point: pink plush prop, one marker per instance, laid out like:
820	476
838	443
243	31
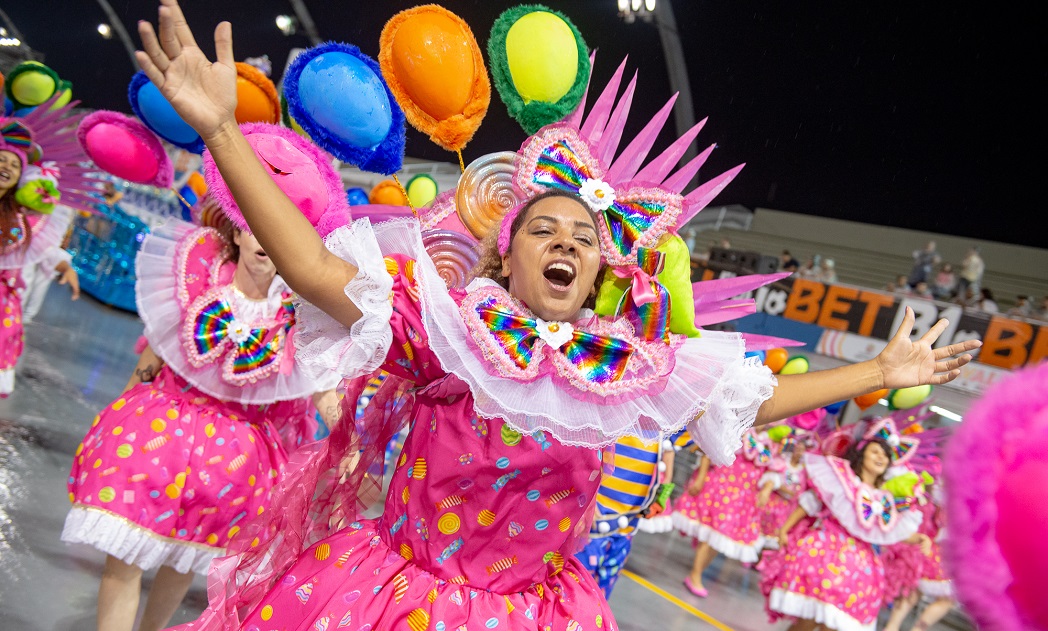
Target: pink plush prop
301	169
996	481
124	147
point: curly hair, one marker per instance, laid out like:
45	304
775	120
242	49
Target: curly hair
489	264
856	454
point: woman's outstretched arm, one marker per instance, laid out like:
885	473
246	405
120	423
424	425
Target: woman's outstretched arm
902	364
204	95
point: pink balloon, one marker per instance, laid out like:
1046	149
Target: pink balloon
117	151
1022	521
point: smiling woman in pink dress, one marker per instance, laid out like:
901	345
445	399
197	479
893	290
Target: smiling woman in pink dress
511	388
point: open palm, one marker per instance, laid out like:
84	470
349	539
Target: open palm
905	363
203	93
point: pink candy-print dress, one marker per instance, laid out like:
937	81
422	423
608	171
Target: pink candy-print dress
907	569
829	572
46	236
482	516
172	471
724	513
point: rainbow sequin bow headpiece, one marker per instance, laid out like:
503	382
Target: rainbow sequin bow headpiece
903	447
638	208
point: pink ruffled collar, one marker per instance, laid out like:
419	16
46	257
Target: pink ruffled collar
592	358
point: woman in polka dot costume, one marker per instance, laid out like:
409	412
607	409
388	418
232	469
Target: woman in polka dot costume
26	240
826	571
511	389
171	471
719	510
912	576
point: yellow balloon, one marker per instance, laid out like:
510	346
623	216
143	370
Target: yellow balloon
33	88
543	57
906	398
421	190
64	98
795	366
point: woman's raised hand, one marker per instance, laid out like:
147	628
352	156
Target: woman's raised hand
905	363
203	93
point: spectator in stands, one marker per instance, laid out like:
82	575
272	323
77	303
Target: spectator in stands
1041	313
787	263
921	290
968	298
827	272
972	269
986	301
1023	308
810	269
944	286
924	261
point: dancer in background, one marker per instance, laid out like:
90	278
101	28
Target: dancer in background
911	576
719	508
485	450
172	471
826	572
25	240
638	486
783	481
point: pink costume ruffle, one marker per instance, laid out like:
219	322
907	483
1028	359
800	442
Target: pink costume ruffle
179	271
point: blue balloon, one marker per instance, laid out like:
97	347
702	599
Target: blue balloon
8	106
25	111
150	106
834	408
346	97
163	118
758	354
357	196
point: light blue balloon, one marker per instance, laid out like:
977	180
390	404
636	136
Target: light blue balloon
162	117
346	97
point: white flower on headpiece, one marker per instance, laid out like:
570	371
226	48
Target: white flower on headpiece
238	331
556	334
893	439
598	194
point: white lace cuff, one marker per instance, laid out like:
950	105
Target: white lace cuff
810	502
323	344
773	477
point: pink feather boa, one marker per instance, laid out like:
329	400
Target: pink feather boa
1007	416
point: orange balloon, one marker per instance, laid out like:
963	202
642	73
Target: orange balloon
257	100
776	358
387	192
197	184
432	59
867	400
435	70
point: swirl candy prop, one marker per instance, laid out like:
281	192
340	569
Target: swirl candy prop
485	192
453	253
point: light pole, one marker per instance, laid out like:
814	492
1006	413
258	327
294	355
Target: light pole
661	12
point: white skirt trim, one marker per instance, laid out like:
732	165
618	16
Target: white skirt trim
121	538
808	608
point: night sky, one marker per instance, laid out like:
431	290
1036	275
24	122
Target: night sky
915	115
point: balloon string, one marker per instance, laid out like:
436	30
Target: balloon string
179	195
405	191
462	164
